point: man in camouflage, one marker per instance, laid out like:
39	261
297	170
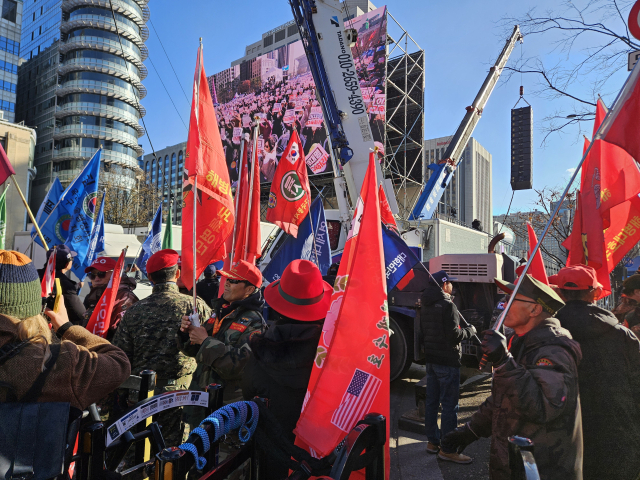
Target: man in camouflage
221	346
147	334
534	392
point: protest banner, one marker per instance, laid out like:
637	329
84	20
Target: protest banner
317	158
289	116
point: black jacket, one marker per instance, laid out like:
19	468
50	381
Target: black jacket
279	370
73	304
609	380
207	289
441	331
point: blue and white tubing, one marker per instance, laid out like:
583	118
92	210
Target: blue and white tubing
224	420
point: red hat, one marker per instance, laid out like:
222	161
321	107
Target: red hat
163	259
300	294
245	271
577	277
554	279
102	264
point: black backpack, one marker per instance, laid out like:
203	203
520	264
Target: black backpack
36	439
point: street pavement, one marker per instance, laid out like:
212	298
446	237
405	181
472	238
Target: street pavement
409	458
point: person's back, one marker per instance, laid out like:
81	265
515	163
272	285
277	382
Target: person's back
207	289
609	381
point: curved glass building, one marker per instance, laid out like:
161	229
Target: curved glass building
89	67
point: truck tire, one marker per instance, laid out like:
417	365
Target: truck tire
399	349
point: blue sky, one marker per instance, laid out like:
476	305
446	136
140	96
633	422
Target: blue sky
461	40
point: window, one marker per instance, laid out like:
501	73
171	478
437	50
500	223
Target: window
153	171
267	41
9	10
280	35
173	179
292	30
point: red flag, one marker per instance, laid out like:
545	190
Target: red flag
205	161
536	269
6	169
49	277
247	242
290	195
100	320
346	382
385	210
574	242
623	124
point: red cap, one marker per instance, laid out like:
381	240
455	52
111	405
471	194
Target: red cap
102	264
554	279
301	293
577	277
244	271
163	259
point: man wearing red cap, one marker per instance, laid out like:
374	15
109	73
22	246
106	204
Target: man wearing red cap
283	356
608	377
147	334
221	346
99	273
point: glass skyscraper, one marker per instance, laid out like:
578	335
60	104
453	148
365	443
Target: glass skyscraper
81	85
10	21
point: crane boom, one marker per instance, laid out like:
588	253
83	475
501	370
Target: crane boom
427	202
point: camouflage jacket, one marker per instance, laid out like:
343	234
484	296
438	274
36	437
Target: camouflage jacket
147	333
223	356
535	395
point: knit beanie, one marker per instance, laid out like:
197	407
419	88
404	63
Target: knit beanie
19	286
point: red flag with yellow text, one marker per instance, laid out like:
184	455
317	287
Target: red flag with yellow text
290	195
204	163
247	235
100	320
347	383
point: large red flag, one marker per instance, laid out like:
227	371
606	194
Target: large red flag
574	242
536	269
385	210
247	235
290	195
205	161
623	124
100	320
6	169
347	383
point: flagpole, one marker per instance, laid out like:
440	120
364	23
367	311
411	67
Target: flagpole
195	184
235	224
254	161
313	232
35	224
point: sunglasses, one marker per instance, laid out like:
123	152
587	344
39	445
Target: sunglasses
233	281
519	300
93	276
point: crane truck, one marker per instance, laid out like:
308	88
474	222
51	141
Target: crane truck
327	44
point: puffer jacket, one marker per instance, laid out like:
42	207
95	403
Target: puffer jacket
279	370
87	369
609	379
441	331
125	298
535	395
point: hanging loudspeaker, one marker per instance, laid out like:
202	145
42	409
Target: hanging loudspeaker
522	148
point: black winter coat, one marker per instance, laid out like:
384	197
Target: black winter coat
207	289
279	370
609	380
441	331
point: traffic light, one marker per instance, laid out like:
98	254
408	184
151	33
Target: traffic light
522	148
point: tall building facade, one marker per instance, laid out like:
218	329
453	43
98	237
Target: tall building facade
166	174
469	194
10	27
81	86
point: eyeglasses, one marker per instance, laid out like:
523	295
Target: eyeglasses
92	276
233	281
520	300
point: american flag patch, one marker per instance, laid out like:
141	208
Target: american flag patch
356	401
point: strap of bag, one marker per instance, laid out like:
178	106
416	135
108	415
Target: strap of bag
26	446
34	392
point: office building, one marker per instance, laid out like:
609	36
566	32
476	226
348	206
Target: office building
166	175
19	143
469	194
80	86
288	33
10	26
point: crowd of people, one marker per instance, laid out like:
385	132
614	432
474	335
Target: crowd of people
566	373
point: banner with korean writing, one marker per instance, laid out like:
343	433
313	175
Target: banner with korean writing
280	86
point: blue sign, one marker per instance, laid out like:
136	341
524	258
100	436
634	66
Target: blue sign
304	247
285	68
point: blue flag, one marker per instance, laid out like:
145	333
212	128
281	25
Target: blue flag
96	244
303	246
153	242
79	201
399	259
54	229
